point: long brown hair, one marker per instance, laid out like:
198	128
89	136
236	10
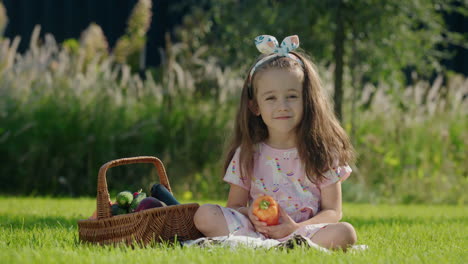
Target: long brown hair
322	143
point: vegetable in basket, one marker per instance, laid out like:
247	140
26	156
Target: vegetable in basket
148	203
124	199
137	201
117	210
161	193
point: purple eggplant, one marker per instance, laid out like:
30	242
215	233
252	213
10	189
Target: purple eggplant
148	203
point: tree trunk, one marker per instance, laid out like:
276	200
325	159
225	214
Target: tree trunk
338	57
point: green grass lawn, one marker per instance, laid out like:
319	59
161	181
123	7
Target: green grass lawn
44	230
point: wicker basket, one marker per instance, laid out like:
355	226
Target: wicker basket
151	225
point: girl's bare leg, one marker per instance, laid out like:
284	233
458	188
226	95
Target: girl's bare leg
209	220
335	236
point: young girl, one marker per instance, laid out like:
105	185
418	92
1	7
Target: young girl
287	144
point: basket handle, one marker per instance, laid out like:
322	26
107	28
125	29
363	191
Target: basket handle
103	197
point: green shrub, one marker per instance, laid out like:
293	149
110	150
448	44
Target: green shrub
63	115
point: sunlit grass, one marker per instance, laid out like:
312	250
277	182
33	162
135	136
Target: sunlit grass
44	230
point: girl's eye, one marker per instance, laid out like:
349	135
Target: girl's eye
292	96
270	98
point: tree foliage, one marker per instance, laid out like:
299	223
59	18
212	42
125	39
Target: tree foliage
382	38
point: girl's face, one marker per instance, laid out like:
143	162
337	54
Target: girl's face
278	93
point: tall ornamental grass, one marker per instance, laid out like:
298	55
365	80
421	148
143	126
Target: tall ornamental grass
63	114
412	144
62	118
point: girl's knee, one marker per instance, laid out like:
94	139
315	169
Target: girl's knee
346	234
349	233
339	235
205	215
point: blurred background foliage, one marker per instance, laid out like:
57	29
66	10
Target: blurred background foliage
67	108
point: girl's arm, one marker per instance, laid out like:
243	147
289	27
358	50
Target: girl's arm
238	198
330	206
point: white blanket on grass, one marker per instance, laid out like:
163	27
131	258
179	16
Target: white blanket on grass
245	241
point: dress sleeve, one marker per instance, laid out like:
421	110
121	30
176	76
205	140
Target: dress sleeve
233	173
335	175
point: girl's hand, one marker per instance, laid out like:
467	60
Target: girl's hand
258	225
286	227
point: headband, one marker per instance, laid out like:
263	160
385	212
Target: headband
267	44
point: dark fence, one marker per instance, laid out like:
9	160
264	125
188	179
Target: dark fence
69	18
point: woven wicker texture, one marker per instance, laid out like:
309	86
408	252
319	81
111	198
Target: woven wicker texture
151	225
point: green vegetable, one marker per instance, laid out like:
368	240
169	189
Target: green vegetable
124	199
137	201
117	210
